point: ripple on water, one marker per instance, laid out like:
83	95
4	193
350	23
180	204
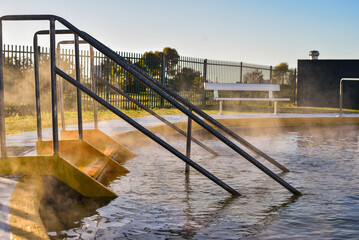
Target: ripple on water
157	201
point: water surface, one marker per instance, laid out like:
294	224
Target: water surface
158	201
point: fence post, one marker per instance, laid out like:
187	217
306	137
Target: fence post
204	81
241	73
163	76
270	74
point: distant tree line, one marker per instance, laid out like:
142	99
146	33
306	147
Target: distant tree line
281	74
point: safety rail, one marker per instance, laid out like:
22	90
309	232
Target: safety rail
144	78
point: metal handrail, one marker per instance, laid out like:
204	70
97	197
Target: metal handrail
341	93
145	79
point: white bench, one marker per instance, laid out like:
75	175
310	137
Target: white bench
270	88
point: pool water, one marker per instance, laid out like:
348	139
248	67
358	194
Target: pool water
158	201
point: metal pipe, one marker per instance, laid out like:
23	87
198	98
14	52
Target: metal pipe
93	87
188	146
61	91
37	88
55	133
341	93
78	92
147	132
154	114
2	98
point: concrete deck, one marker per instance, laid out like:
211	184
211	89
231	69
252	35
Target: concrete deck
28	139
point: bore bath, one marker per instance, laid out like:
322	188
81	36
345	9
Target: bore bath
157	200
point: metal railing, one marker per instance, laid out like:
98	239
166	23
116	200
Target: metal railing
144	78
341	93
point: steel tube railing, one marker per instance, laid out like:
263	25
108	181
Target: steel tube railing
55	130
150	82
341	93
188	143
37	88
146	132
117	90
92	72
78	92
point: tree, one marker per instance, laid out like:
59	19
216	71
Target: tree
255	76
151	62
185	79
279	73
171	60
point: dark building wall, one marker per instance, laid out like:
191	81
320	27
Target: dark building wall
319	82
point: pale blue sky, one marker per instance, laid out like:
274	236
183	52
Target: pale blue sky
254	31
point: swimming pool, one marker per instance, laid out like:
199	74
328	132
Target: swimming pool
158	201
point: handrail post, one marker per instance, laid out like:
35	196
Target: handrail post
2	99
55	133
93	88
37	88
61	90
189	136
78	92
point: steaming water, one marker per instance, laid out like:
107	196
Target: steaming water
157	201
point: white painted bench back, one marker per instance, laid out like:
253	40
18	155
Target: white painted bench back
241	87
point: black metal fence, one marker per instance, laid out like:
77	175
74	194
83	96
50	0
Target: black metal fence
185	75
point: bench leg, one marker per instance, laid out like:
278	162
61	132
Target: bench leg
220	107
275	107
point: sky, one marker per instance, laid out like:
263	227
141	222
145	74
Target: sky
265	32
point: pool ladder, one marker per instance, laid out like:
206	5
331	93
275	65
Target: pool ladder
193	112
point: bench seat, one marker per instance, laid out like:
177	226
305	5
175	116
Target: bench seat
270	88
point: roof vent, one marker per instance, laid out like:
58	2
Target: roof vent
314	54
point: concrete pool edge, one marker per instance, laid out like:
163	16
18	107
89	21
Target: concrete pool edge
21	225
236	122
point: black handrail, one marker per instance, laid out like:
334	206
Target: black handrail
145	79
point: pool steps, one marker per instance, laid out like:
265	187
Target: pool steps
103	143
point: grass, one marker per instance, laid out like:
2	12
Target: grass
18	124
